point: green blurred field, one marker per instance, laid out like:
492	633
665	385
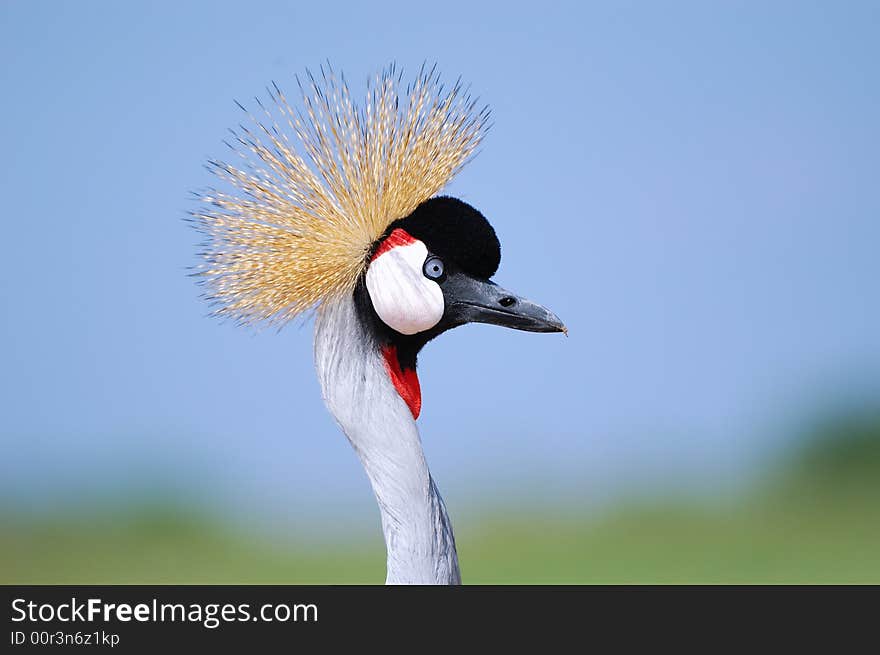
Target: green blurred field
816	521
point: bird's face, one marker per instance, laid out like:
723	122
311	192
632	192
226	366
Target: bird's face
431	270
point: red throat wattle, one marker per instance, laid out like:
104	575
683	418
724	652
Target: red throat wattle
405	381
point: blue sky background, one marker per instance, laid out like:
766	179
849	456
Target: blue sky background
692	187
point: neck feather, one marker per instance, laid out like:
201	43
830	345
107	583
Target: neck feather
358	391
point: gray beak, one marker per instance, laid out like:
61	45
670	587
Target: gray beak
470	300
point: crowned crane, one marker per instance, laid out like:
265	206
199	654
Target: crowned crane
335	208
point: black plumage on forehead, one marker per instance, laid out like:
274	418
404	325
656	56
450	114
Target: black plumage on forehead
456	232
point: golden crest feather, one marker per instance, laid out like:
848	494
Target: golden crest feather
317	186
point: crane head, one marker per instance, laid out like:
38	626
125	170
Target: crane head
335	199
431	271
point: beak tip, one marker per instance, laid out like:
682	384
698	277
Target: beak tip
556	323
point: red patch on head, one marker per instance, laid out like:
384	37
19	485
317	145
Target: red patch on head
405	381
398	237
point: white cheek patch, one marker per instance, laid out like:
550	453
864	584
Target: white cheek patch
402	296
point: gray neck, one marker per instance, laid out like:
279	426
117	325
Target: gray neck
358	392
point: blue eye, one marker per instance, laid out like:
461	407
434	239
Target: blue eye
433	268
